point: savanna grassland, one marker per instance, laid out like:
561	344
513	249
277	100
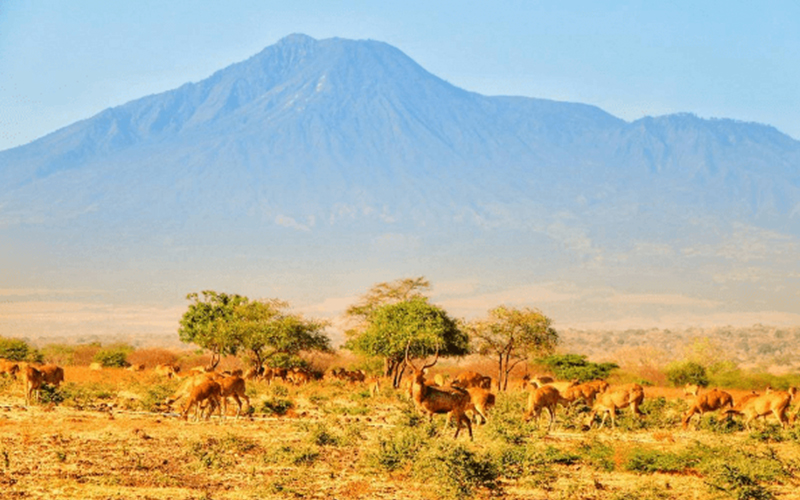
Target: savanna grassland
104	434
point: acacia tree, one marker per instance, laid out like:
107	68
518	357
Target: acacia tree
225	324
512	336
414	324
265	329
207	323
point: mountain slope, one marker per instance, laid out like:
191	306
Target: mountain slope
317	149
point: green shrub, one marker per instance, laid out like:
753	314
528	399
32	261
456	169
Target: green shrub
455	471
721	425
294	454
574	366
599	455
771	433
279	390
155	395
18	350
112	357
51	394
321	435
687	372
506	422
397	449
742	473
739	483
649	461
276	406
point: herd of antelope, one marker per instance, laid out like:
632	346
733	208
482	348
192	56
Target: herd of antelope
466	398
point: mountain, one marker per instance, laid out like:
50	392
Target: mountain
347	158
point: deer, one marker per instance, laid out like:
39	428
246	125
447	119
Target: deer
587	392
560	385
431	400
472	379
618	397
771	403
232	386
480	402
712	400
34	379
52	374
207	390
10	368
543	398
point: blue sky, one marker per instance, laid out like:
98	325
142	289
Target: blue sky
64	61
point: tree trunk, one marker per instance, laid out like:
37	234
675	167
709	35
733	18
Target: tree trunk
508	371
215	359
400	368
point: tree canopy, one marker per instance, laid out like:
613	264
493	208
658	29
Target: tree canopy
382	294
227	324
577	367
413	322
512	336
265	330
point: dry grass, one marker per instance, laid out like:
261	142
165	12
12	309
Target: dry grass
336	441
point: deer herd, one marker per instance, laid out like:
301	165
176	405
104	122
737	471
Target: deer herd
465	398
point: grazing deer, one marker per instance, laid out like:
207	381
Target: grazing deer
52	374
608	402
586	392
543	398
430	400
713	400
771	403
33	383
207	390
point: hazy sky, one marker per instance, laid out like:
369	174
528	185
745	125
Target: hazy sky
64	61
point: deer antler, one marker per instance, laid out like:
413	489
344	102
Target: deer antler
435	359
408	361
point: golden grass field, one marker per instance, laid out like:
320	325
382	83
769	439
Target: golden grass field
337	441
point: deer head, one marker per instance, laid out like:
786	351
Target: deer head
418	372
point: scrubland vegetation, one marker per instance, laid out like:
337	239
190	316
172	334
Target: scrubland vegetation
106	432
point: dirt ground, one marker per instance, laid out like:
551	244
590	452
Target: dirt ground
62	451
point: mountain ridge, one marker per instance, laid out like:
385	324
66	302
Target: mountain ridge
320	149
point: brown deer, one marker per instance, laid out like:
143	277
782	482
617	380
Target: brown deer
543	398
472	379
586	392
207	390
33	384
10	368
431	400
771	403
713	400
622	396
480	402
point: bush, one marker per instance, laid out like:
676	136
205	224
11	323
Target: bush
687	372
398	450
18	350
276	406
649	461
115	357
456	471
574	366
